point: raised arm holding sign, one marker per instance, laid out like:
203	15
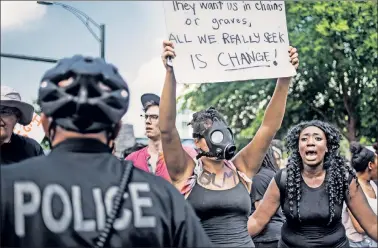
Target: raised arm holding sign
217	167
225	41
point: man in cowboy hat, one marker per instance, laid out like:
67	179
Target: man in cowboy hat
15	148
150	158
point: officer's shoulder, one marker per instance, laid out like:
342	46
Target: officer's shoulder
26	167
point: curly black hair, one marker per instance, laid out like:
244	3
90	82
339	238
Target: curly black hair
205	117
338	172
361	156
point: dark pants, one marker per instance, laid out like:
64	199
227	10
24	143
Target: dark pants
272	244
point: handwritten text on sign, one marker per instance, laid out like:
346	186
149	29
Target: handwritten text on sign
218	41
34	130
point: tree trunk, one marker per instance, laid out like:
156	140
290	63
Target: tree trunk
352	122
351	129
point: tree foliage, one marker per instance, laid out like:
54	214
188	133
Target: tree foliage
336	82
45	142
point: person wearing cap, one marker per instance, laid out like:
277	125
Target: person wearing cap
15	148
150	158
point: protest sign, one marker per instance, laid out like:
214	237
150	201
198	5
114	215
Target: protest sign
34	130
224	41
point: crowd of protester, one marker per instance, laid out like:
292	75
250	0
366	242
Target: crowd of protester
299	192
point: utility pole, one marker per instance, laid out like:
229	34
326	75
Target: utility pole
30	58
84	18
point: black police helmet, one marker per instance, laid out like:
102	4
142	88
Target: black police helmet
84	94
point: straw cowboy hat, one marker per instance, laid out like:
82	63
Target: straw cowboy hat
11	98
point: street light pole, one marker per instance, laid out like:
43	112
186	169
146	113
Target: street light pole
102	49
85	19
30	58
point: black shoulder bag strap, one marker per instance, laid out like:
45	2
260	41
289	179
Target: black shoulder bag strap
105	234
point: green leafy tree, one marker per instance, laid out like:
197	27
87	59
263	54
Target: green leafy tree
45	142
338	45
242	103
336	81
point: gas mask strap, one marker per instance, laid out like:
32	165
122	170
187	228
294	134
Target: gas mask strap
202	153
196	135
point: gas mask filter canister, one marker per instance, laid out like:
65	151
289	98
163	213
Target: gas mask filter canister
220	140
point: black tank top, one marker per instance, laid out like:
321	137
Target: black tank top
313	230
223	214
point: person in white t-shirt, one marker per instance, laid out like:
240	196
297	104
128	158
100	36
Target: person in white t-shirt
365	162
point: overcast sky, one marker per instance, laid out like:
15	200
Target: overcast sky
134	34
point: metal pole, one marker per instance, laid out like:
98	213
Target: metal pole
30	58
102	42
80	15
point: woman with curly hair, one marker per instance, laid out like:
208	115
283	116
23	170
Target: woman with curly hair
312	190
365	163
217	182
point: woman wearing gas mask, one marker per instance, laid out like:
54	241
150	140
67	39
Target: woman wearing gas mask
217	184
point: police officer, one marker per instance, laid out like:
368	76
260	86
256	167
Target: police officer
80	194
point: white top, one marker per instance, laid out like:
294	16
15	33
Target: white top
351	232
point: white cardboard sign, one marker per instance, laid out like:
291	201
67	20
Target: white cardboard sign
34	130
225	41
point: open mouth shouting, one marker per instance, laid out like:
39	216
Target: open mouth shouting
312	145
311	155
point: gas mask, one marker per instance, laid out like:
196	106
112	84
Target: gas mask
220	140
